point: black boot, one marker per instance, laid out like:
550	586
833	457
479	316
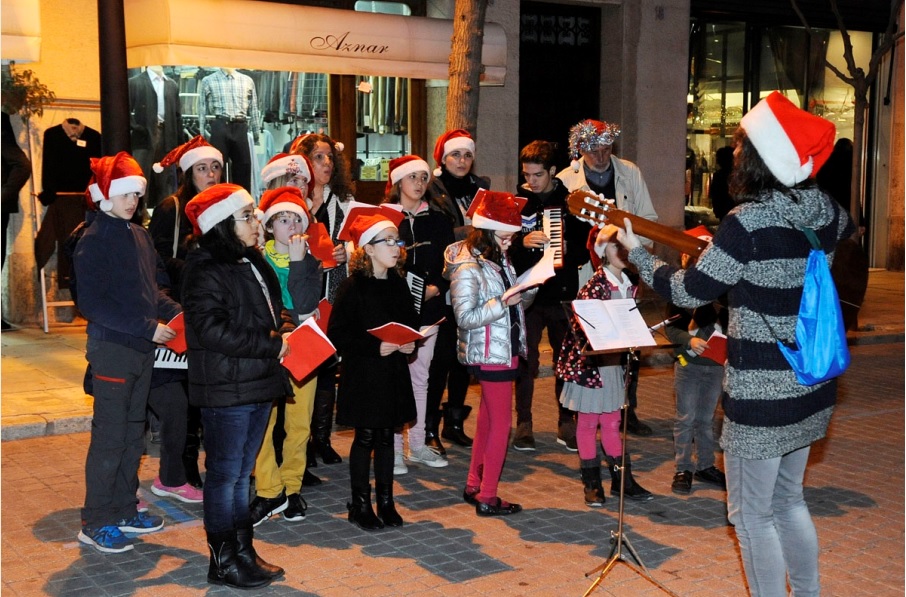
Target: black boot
245	553
310	460
453	420
386	509
361	512
432	437
190	461
309	479
591	479
321	426
631	490
227	569
633	425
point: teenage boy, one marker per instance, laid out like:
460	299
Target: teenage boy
116	278
543	190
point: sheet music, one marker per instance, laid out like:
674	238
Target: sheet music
534	276
612	325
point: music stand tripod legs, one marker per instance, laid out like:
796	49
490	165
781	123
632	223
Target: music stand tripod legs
617	538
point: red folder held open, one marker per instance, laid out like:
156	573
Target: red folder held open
399	334
320	245
308	348
717	348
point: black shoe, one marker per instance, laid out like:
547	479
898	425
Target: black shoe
499	508
295	511
263	508
712	475
309	479
636	427
682	482
433	442
470	497
326	452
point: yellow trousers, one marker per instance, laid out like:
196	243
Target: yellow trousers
270	479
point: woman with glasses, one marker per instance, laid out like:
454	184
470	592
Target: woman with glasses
427	232
285	219
200	165
375	395
235	328
491	323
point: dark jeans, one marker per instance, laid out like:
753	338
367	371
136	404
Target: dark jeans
446	372
232	437
122	378
536	319
170	403
231	139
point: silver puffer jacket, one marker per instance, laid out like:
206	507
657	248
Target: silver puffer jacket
482	319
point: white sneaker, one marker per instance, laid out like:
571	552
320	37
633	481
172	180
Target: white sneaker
426	455
399	466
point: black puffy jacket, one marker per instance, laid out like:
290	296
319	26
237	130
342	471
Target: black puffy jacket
232	338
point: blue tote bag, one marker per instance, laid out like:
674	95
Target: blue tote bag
820	352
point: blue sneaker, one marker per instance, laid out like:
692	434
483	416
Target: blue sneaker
108	539
142	522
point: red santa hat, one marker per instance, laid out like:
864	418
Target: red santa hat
188	154
404	166
115	175
362	224
450	142
495	210
215	204
284	199
793	143
288	164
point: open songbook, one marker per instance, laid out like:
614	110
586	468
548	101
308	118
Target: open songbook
612	325
399	334
534	276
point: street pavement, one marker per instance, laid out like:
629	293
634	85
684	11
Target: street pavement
854	488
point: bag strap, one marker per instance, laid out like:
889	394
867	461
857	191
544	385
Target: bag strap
812	238
176	226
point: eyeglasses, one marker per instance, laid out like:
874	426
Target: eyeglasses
247	218
389	241
288	221
505	240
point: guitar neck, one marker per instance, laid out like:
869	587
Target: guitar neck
588	207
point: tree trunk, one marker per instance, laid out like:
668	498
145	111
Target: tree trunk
856	209
465	65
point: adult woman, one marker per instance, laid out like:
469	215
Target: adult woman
491	336
375	394
200	167
758	257
330	193
451	190
427	232
234	325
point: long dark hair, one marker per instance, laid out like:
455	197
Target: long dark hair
750	176
222	242
485	243
340	181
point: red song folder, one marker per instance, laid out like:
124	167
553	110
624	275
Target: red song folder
308	348
178	325
399	334
320	245
717	348
322	314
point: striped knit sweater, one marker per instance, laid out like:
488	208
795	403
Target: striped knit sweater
758	257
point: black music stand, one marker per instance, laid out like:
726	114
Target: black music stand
618	538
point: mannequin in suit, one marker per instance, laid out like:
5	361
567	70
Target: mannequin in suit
156	124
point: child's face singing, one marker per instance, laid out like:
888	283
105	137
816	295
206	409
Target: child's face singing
414	185
383	256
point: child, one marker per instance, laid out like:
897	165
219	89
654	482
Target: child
594	387
697	381
375	395
427	232
116	273
491	336
278	489
235	328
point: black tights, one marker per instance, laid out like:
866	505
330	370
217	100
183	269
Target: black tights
380	441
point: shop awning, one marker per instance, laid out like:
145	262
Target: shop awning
20	26
269	36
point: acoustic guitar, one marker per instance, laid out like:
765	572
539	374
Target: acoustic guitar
589	207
